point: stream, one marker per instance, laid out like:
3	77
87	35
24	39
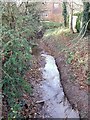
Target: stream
56	104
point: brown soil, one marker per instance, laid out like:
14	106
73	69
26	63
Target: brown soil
33	76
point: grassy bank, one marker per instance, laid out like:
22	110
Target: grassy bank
74	49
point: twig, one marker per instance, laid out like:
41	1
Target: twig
43	101
6	74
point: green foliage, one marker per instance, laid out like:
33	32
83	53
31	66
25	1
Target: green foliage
15	54
85	16
70	57
89	23
78	14
64	13
78	25
88	79
15	112
86	11
78	22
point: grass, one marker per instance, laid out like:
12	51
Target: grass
56	32
50	24
61	37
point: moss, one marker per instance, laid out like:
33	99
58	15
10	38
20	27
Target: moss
89	23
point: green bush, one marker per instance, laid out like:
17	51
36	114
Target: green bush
78	22
15	54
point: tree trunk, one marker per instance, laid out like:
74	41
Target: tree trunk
71	17
11	16
85	18
71	22
65	13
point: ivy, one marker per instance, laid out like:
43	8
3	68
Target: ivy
85	17
65	13
15	54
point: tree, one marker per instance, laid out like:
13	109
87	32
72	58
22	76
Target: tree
71	16
85	18
65	13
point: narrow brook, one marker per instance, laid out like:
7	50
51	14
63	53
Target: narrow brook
56	104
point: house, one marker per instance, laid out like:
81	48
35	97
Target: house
52	11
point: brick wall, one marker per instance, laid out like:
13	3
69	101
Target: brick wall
53	12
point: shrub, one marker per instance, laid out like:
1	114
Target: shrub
78	22
15	54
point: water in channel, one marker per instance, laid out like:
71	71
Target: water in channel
56	104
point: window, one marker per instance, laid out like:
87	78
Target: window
56	5
45	14
43	3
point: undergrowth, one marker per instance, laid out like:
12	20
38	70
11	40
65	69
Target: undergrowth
15	54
